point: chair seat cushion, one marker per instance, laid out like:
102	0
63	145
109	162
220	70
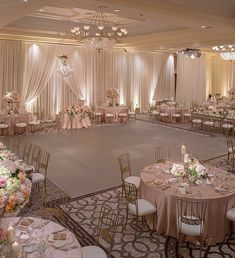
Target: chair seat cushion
190	230
231	150
210	123
187	114
131	113
37	122
3	126
93	252
144	208
109	115
231	214
122	114
196	121
135	180
155	112
21	125
98	114
37	177
163	114
227	126
176	115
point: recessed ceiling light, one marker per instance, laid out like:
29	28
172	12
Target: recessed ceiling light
41	10
205	27
25	1
116	10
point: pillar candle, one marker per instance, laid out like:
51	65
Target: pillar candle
183	150
186	158
10	234
15	248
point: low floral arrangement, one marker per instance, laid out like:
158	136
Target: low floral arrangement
196	170
15	188
12	97
178	170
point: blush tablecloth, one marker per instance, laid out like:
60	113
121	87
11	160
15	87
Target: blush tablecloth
51	252
74	122
165	200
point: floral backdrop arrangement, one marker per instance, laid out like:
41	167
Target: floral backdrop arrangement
82	110
15	188
113	94
12	97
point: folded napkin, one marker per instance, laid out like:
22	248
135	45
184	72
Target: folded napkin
157	183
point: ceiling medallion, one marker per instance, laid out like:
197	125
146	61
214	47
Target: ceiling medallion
227	52
64	68
191	52
100	33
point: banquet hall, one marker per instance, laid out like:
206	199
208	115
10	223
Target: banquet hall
117	126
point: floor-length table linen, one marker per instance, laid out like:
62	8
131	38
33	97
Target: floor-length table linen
73	122
165	200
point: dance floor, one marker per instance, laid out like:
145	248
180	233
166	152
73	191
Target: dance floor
86	160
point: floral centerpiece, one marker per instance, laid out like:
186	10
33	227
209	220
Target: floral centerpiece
12	97
112	94
195	171
15	188
178	170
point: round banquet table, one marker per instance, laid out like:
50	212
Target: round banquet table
51	252
165	198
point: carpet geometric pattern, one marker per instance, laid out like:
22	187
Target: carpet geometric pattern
82	218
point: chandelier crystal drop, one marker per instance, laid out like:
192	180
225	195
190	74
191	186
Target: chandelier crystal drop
100	33
64	68
191	52
227	52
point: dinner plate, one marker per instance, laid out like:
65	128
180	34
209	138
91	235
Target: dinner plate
60	243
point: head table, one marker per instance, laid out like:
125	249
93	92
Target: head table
165	198
72	250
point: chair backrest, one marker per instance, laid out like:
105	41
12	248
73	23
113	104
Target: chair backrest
191	213
36	153
125	164
27	151
162	154
107	225
131	193
53	210
44	161
16	145
7	140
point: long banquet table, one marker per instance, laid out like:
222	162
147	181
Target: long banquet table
49	227
165	198
173	110
112	110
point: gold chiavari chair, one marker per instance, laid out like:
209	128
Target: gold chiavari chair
27	151
191	220
41	174
137	207
35	156
230	215
231	150
16	145
7	140
57	210
162	154
107	226
125	168
4	126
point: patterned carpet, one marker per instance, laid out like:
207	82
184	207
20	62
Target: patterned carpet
82	217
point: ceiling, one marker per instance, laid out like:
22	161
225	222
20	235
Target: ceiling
153	25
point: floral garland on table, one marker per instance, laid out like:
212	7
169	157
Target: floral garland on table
82	110
15	188
85	111
12	96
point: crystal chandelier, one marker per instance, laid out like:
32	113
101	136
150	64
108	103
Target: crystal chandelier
226	51
99	33
64	68
191	52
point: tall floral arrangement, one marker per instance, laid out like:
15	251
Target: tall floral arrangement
12	96
112	94
15	188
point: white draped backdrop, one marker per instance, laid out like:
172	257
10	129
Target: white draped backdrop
31	69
